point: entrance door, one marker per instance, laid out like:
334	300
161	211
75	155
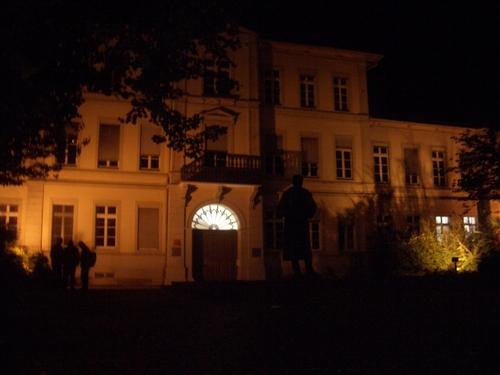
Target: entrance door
214	255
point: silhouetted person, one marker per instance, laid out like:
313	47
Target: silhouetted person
297	206
71	259
86	261
56	260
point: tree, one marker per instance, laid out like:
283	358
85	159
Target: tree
478	165
53	51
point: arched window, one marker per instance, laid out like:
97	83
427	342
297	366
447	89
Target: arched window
214	217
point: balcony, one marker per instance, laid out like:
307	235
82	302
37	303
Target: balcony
223	167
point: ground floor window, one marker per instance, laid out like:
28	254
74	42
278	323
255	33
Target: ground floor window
274	231
315	235
106	226
148	236
214	216
62	222
9	215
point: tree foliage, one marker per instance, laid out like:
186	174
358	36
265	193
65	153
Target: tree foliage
478	165
53	51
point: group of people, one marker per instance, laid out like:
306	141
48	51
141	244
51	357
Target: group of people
65	260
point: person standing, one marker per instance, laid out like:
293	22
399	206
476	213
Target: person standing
87	260
297	206
71	260
56	260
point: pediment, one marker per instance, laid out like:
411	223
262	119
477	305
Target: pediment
220	114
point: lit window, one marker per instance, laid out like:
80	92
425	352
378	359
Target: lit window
272	87
9	215
340	94
106	226
469	225
62	222
214	217
109	146
307	91
438	168
381	164
442	225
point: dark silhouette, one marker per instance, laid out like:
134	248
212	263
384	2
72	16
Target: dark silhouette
87	260
70	261
297	206
56	260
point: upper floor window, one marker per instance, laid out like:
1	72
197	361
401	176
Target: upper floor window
109	146
9	215
216	151
150	150
343	158
381	164
273	150
216	80
69	150
411	166
438	168
106	220
272	87
310	157
340	94
307	91
413	224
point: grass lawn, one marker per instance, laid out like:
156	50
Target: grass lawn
428	325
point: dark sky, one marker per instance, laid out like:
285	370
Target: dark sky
441	58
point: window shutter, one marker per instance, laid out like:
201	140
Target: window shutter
310	150
148	228
109	142
148	147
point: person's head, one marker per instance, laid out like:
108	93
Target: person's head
297	180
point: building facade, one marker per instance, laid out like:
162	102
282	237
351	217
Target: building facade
155	217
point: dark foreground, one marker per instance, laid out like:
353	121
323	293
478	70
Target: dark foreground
436	325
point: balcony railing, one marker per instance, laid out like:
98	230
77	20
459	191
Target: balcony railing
223	167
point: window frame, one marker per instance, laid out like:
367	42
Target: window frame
438	158
309	168
315	235
273	86
9	214
108	163
146	206
378	168
341	93
307	90
215	71
106	215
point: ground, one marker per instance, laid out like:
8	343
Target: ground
431	325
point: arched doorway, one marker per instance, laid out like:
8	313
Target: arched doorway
215	244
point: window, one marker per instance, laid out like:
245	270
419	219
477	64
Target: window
384	221
310	157
343	158
9	215
381	164
273	161
340	94
150	150
469	225
411	166
314	235
442	225
346	234
69	150
106	226
307	91
109	146
413	224
272	87
216	151
148	229
273	230
62	222
438	168
216	79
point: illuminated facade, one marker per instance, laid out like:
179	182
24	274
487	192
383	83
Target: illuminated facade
155	218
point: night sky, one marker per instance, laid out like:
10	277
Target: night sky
441	58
